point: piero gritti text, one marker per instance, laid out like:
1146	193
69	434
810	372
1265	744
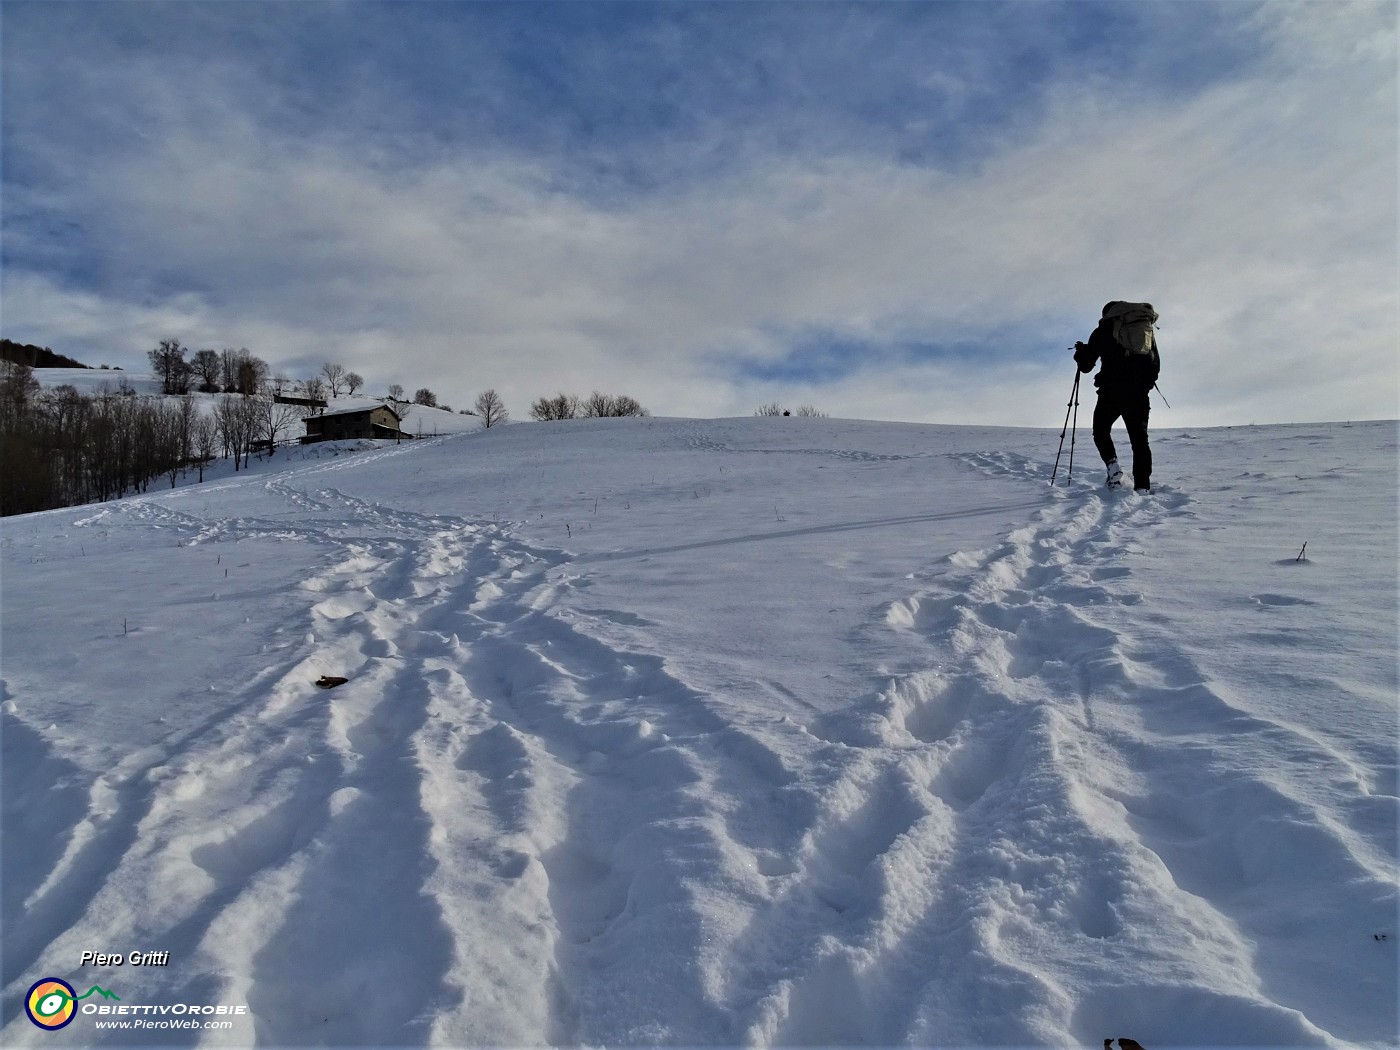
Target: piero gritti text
129	959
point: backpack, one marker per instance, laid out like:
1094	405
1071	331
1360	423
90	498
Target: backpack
1132	326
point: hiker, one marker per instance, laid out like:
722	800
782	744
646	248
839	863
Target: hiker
1126	343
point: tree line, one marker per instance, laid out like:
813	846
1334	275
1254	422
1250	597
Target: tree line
595	406
35	356
242	372
60	447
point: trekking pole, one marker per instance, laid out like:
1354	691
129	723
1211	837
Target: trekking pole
1073	431
1161	395
1072	403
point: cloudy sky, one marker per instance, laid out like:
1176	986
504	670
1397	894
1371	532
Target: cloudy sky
890	211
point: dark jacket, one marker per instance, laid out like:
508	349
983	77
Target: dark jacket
1122	372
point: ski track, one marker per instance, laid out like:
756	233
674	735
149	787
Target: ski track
500	771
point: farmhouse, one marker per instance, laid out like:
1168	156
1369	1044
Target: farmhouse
379	421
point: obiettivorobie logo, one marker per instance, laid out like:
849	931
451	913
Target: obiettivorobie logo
52	1003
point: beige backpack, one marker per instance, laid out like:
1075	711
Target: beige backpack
1132	326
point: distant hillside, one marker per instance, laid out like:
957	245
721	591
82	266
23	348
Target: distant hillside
35	356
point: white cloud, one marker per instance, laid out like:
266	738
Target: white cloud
1259	215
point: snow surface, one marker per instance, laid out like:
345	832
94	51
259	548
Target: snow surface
736	732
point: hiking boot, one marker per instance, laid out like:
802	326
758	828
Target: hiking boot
1115	474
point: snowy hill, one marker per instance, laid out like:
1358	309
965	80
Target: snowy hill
690	732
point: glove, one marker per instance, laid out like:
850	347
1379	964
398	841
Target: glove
1083	357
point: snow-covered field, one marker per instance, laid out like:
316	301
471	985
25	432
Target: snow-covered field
735	732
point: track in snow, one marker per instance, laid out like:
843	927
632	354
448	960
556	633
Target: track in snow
494	799
507	828
1055	771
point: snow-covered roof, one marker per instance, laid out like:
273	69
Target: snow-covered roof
354	412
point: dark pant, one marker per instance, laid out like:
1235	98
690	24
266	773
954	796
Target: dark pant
1132	408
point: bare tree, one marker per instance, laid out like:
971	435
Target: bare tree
189	412
598	405
250	413
491	408
175	422
334	376
242	372
561	406
205	437
225	416
425	397
770	409
314	388
209	368
168	362
228	368
18	387
353	382
396	392
276	420
252	374
238	419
